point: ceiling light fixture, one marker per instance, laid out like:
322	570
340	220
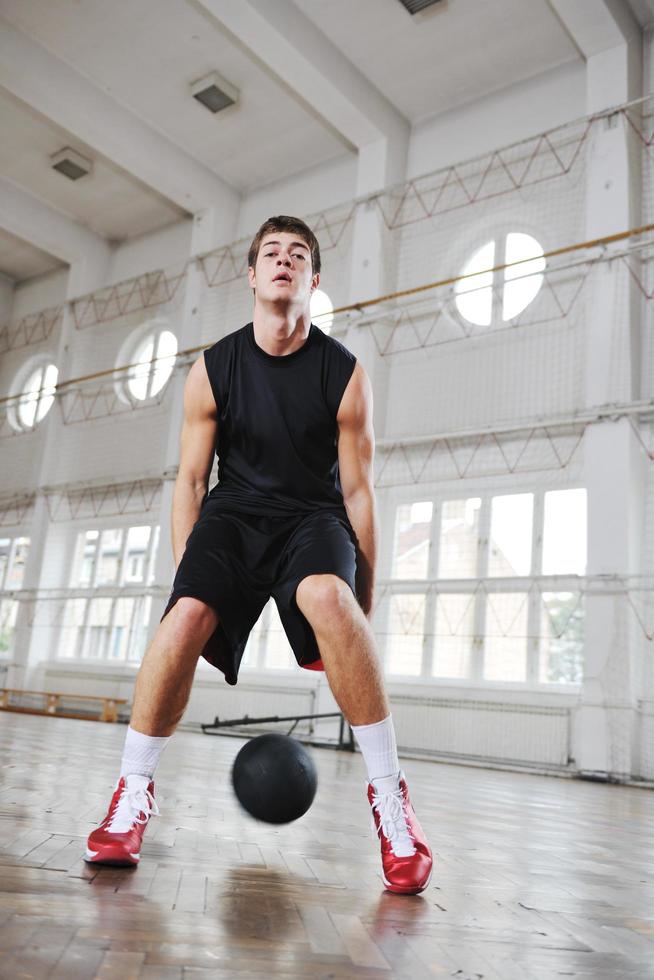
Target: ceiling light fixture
214	92
417	6
71	164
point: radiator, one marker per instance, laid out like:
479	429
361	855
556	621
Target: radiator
490	730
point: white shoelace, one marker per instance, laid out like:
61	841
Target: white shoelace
392	821
133	801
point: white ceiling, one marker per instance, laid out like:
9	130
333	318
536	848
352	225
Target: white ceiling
106	202
456	52
643	11
143	55
20	260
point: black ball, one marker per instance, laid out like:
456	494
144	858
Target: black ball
274	778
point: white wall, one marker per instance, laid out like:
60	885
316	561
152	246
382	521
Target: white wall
501	118
315	189
39	293
160	250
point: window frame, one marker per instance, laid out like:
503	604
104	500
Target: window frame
138	591
433	586
152	327
41	362
496	232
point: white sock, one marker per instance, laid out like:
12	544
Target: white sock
378	748
141	753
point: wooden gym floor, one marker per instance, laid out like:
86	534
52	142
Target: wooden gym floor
535	877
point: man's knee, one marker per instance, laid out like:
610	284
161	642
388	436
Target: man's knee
194	616
325	597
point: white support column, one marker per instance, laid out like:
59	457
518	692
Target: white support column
615	476
86	274
6	303
6	299
614	466
369	277
379	164
205	233
382	162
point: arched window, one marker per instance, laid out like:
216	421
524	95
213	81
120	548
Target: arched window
476	299
322	310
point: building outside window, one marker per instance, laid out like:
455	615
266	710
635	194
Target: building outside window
111	627
468	600
13	556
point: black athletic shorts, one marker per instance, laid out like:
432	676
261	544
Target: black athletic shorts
234	562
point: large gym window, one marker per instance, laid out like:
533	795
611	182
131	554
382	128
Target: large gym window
267	647
110	627
412	533
562	612
13	555
484	613
459	538
564	532
115	556
510	534
454	628
485	297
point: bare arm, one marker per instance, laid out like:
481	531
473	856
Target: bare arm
197	447
356	447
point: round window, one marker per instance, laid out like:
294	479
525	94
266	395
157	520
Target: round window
322	310
154	358
37	396
480	299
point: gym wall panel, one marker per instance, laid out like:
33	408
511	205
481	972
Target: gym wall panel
534	105
20	462
113	448
513	375
39	293
161	249
301	194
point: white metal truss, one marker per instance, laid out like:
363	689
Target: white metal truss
35	328
16	509
91	500
148	291
87	499
533	448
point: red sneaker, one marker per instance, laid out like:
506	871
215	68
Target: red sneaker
118	838
406	856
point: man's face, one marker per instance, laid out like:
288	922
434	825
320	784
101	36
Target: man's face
283	270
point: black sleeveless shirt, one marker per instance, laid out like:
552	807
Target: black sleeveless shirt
277	428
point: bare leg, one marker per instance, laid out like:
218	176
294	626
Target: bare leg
347	648
163	684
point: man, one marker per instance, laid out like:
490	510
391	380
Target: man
288	410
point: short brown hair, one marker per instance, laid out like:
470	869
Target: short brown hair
283	222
